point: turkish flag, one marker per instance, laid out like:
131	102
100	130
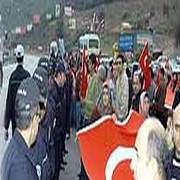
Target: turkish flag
84	81
107	147
145	66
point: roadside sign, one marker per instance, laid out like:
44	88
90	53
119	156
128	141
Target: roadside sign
126	42
141	38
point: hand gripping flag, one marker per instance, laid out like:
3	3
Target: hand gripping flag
145	66
84	81
106	147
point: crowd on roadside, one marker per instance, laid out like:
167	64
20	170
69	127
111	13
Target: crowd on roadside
44	110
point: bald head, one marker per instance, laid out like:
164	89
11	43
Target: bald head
151	149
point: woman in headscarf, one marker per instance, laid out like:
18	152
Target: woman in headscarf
104	104
144	104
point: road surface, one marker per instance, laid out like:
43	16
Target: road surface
73	167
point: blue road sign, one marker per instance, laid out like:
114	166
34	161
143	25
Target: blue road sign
126	42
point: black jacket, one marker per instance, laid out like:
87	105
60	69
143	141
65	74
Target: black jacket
15	80
60	113
172	166
17	162
40	155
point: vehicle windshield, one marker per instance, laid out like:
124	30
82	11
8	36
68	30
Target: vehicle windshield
93	43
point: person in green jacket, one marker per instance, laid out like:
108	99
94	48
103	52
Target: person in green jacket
94	90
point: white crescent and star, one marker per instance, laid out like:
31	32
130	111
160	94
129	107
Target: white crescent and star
119	155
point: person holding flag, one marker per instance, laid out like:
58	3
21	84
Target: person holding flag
94	88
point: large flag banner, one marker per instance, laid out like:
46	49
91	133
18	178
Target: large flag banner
84	80
107	147
145	66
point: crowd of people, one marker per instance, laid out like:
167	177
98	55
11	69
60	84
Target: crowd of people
45	107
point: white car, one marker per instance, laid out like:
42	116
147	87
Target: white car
106	61
176	64
8	57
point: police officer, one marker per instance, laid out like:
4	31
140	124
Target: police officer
40	150
54	58
44	63
59	127
15	80
18	162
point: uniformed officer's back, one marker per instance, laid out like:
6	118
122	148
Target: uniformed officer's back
18	75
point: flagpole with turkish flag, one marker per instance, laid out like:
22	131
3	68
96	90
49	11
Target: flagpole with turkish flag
145	66
84	81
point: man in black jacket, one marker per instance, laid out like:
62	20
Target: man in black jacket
15	80
60	117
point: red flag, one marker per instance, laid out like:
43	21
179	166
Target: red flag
145	66
84	82
107	147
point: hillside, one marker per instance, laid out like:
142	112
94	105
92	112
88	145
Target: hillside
140	13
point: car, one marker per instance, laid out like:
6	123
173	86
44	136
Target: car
176	64
106	61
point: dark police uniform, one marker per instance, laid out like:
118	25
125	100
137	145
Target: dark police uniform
57	131
43	151
18	164
40	155
15	80
61	122
48	123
